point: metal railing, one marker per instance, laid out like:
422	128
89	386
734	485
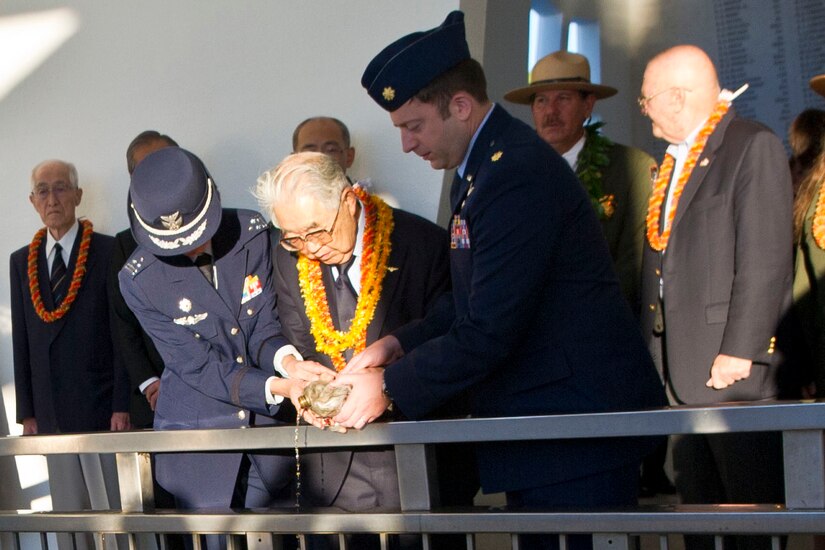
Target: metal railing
803	512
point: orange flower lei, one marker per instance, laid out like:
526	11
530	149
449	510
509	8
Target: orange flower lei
818	226
659	242
376	253
77	276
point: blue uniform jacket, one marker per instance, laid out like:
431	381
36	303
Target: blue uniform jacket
536	323
218	347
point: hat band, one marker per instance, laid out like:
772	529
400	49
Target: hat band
558	80
171	232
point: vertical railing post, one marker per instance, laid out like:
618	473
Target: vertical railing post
134	477
417	477
804	453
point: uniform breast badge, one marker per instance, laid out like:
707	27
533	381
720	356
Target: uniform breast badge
190	320
459	233
251	288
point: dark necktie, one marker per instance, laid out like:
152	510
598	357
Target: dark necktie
58	275
204	263
345	300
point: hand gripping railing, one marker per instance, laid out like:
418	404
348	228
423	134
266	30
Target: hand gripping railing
801	424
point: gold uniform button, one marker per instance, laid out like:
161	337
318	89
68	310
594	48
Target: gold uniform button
197	335
242	415
658	272
250	311
652	307
233	331
239	359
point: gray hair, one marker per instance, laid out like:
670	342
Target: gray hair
301	174
68	165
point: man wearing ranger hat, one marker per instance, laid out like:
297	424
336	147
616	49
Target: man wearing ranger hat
617	178
200	283
536	323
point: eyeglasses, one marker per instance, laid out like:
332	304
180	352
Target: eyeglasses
41	192
319	237
643	101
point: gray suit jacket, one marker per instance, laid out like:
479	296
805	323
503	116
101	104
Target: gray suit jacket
727	269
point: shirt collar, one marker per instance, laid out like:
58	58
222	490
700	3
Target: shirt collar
572	155
67	241
463	165
680	150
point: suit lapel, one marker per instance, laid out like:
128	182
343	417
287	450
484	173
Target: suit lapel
395	263
702	167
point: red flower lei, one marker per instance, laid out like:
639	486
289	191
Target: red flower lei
77	276
376	253
659	242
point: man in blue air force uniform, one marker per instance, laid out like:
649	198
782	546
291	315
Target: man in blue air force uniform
200	283
536	323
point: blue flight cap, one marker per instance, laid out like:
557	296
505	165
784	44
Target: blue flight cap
174	206
410	63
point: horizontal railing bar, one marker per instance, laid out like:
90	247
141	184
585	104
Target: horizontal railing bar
760	519
745	417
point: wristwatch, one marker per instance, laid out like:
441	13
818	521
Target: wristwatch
386	393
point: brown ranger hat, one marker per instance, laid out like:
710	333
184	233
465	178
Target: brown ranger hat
818	84
559	71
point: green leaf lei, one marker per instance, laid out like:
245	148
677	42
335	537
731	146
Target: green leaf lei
592	159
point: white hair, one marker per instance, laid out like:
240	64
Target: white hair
70	168
301	174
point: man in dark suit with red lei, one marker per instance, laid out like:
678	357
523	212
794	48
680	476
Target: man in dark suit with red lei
716	275
65	377
536	323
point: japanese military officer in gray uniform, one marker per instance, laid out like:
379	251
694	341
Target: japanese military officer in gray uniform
200	283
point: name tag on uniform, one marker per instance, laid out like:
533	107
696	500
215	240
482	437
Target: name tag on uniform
459	234
251	288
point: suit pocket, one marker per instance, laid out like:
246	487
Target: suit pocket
716	313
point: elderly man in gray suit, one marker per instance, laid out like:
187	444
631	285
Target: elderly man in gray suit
716	274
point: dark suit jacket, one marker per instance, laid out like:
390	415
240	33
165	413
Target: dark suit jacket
133	348
727	267
218	347
536	323
628	177
64	373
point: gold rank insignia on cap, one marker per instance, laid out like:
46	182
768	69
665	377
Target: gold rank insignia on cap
496	156
388	93
172	222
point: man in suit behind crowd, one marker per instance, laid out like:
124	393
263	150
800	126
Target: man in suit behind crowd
328	135
716	274
617	177
65	377
536	323
133	347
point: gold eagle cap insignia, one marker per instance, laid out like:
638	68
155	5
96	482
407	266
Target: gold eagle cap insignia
388	93
172	222
496	155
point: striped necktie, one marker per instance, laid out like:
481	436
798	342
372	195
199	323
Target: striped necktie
58	275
